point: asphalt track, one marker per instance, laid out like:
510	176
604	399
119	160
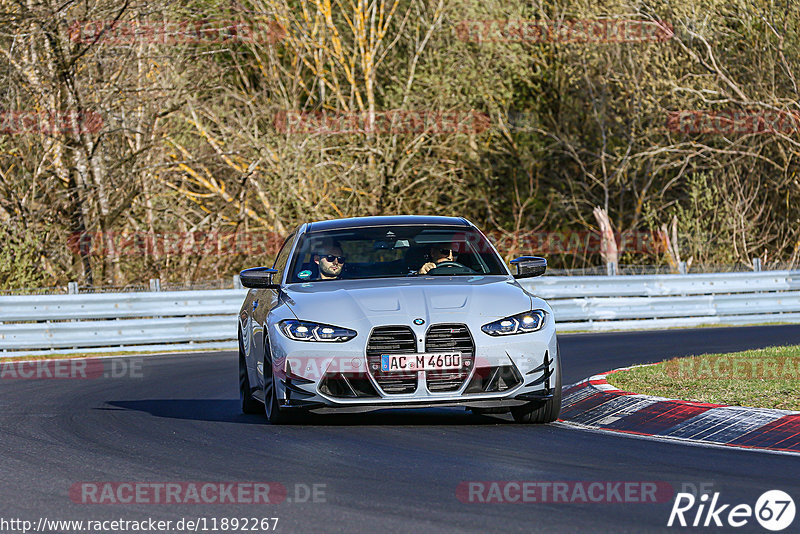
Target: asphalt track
392	471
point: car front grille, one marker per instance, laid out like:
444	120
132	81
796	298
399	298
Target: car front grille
445	338
391	340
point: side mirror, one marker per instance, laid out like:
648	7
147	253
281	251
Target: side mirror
258	278
528	266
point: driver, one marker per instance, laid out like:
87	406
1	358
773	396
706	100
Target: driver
438	254
330	260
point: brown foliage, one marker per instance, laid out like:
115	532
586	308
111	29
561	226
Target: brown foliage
170	119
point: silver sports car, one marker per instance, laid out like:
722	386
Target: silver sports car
396	312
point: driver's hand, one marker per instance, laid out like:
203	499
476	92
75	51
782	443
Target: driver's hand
427	267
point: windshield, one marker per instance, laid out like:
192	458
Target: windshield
381	252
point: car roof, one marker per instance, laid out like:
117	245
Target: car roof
388	220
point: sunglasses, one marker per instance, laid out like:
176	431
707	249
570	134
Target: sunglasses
331	257
445	251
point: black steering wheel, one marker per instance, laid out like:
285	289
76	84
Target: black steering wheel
447	266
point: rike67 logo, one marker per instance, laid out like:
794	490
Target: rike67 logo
774	510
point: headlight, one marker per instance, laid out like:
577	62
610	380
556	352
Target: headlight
520	323
308	331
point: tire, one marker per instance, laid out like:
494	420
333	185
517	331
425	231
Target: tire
271	408
541	412
248	403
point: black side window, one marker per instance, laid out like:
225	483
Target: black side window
282	258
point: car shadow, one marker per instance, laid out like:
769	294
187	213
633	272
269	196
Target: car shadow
214	410
406	417
228	411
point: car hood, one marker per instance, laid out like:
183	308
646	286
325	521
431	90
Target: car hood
401	300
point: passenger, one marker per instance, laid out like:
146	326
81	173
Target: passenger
330	260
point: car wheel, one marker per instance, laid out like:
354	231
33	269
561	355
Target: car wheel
273	412
249	404
541	412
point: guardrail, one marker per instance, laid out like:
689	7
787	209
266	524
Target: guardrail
602	303
119	321
180	320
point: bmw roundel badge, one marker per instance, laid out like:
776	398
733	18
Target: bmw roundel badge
419	321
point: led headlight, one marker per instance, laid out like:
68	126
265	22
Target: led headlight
308	331
529	321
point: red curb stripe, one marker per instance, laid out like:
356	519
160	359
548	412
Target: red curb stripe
572	388
783	433
592	401
732	445
659	417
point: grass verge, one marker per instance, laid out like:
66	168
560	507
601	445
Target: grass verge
764	378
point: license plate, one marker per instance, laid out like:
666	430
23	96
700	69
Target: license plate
431	361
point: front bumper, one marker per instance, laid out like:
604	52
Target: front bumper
505	372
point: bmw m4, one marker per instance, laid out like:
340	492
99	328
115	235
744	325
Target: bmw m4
396	312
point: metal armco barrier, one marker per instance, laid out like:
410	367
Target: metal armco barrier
207	319
174	320
601	303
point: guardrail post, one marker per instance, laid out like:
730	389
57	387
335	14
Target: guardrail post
611	268
72	288
237	282
757	265
682	267
155	284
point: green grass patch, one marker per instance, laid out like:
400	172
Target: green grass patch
764	378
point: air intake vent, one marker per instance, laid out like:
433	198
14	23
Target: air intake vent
444	338
347	385
494	379
391	340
